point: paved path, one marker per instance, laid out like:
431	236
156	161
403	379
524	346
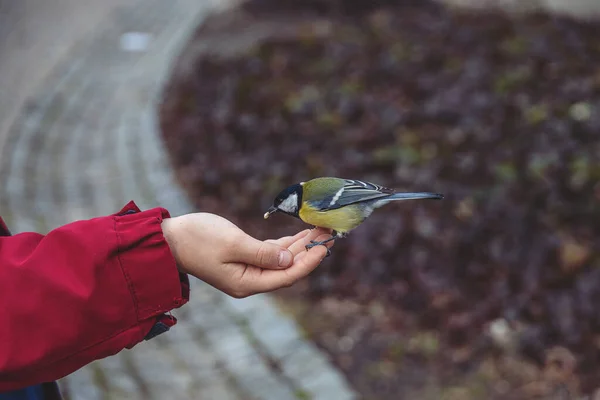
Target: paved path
84	144
34	36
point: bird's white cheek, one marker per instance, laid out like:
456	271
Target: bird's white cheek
290	204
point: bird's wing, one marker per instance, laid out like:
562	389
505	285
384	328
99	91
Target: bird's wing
353	191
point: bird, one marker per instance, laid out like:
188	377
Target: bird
336	203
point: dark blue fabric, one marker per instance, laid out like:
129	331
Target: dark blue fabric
44	391
30	393
156	330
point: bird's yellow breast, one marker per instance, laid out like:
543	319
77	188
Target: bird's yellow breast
341	220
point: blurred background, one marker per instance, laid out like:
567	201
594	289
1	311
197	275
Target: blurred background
489	294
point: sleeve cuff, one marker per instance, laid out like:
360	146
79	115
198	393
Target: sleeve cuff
155	283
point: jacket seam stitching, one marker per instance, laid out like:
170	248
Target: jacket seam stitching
130	285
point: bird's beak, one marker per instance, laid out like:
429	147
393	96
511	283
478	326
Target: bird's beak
270	211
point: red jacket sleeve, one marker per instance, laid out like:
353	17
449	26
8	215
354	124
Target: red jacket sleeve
82	292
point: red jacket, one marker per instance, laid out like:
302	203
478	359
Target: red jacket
84	291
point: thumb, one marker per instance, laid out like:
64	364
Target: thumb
263	254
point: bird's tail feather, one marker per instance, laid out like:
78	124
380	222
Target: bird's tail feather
407	196
415	196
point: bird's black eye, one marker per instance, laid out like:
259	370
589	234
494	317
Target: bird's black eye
278	200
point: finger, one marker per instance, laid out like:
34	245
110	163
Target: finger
271	280
287	241
299	245
301	234
303	252
248	250
267	254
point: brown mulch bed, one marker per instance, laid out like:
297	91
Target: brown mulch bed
500	114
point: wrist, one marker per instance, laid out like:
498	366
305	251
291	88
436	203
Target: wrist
170	228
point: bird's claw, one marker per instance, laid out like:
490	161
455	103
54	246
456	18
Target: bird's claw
310	246
314	243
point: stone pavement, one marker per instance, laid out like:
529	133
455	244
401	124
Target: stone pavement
34	35
84	145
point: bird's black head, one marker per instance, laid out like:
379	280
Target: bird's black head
288	201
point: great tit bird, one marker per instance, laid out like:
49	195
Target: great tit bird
337	204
